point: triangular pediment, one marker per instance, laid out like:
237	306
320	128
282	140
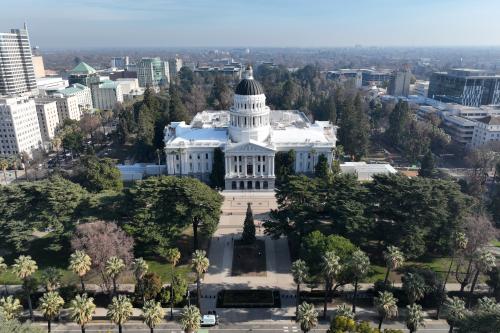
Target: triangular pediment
248	147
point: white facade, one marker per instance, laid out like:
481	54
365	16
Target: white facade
48	118
106	94
17	74
250	135
365	172
47	84
129	85
19	129
486	130
72	101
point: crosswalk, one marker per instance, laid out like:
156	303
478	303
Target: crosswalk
292	329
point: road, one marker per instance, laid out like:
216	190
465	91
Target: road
271	327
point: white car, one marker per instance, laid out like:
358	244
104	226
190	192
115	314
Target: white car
208	320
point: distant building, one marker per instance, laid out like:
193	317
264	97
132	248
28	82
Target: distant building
72	101
364	171
48	118
19	128
106	94
38	66
399	84
120	62
230	71
460	129
471	87
83	74
376	77
17	74
343	75
115	75
46	85
152	72
421	88
487	130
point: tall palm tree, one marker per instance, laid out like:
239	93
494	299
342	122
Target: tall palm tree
484	262
140	268
190	319
414	317
10	307
344	310
24	267
4	164
173	255
152	314
414	287
330	268
199	264
114	266
386	307
81	310
307	317
119	311
3	268
80	263
394	259
358	265
460	244
300	272
455	311
50	305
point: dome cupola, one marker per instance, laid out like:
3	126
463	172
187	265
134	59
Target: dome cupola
248	86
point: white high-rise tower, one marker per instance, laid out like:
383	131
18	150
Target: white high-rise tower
17	74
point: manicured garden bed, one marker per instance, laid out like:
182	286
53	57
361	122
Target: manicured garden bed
248	298
249	259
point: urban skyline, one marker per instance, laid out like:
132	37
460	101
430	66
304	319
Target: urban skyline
297	23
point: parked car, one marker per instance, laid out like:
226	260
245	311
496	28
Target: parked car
209	319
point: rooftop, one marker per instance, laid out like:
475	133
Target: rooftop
74	89
366	171
82	69
490	120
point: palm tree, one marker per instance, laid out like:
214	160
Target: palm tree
461	242
4	164
331	267
80	263
307	316
24	267
173	255
300	272
455	311
114	266
50	305
3	268
414	287
119	311
394	259
414	318
10	307
152	314
200	264
140	268
358	265
386	307
344	310
190	319
81	310
488	305
484	262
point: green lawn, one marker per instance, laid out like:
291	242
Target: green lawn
496	243
45	256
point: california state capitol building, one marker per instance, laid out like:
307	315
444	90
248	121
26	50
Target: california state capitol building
249	134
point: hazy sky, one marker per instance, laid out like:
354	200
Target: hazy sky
172	23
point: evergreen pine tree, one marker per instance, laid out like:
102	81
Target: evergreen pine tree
217	175
427	165
321	169
248	236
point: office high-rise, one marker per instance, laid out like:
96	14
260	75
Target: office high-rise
17	75
152	72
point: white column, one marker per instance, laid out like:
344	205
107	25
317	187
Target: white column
272	166
254	166
245	166
225	165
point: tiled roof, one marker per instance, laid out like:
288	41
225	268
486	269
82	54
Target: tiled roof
83	68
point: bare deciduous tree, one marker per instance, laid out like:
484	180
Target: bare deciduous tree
101	241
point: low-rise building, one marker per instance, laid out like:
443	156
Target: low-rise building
106	94
48	118
345	75
487	130
365	171
19	128
72	101
459	128
46	85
